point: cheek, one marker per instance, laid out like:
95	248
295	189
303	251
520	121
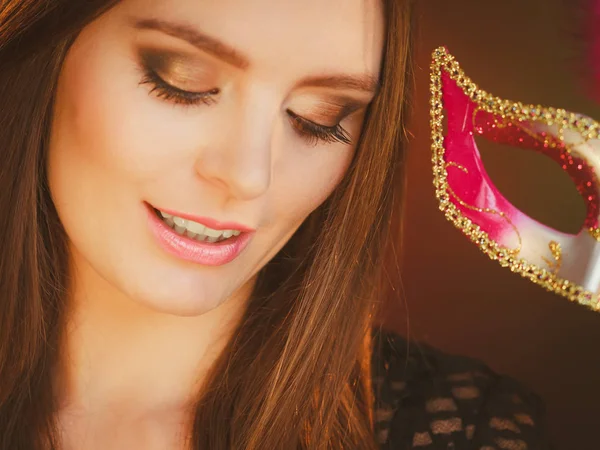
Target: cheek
102	119
309	181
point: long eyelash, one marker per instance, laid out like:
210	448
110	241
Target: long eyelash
168	92
314	133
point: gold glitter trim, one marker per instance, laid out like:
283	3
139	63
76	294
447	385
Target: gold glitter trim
588	128
556	251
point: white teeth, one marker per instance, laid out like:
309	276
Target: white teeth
213	233
195	227
196	230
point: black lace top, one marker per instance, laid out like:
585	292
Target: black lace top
427	400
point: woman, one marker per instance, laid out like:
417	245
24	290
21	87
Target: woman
199	197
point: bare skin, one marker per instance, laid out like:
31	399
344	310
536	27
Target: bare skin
144	325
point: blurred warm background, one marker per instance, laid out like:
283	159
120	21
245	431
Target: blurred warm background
454	296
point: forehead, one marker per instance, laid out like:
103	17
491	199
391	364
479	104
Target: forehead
289	35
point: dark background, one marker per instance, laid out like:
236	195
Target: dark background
453	296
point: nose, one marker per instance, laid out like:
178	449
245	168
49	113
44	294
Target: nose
238	159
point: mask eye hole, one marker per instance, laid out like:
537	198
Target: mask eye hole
535	184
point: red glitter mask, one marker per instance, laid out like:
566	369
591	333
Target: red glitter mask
563	263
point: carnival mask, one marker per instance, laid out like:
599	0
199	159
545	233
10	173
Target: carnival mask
562	263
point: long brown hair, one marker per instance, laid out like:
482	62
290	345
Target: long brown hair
297	373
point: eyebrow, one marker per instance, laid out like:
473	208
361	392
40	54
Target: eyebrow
203	42
363	82
366	83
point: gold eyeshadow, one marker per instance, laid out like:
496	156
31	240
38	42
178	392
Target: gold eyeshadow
327	111
326	114
180	70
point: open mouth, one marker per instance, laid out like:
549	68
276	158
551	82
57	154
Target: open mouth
194	230
191	239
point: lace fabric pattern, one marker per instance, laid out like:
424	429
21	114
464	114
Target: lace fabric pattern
428	400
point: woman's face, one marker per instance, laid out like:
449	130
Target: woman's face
236	115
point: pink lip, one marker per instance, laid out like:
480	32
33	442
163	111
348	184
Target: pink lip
204	253
210	223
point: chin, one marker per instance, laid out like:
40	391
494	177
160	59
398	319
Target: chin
180	299
190	307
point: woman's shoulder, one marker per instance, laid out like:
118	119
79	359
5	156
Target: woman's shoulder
427	400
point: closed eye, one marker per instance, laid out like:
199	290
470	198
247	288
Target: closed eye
314	132
173	94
